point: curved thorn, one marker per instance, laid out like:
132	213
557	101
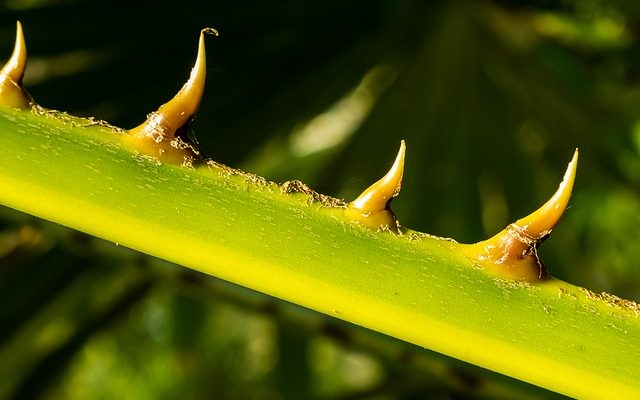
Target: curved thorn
178	111
539	223
166	132
377	197
513	252
11	90
14	68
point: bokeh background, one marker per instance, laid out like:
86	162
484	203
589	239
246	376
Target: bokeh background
492	97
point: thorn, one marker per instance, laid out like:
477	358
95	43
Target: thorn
11	91
167	130
14	68
372	205
378	196
539	223
513	253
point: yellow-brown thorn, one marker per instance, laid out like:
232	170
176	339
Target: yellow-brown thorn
165	133
12	93
371	208
513	252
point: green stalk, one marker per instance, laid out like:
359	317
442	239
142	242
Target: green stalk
239	228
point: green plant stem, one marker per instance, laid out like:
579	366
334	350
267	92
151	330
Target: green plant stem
234	226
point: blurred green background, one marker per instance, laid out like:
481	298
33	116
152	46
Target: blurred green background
491	97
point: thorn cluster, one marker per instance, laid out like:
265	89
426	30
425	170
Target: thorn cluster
166	135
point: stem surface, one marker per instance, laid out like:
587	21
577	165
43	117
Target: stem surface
235	226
